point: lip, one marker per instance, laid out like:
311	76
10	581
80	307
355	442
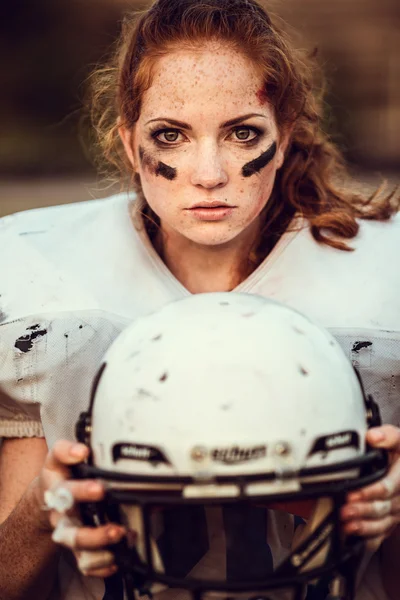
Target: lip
212	204
216	212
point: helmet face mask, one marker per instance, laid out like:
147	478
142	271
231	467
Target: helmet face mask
169	528
214	423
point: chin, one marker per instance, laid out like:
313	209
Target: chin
213	237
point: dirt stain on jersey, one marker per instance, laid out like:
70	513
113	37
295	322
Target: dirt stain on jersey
357	346
25	342
3	315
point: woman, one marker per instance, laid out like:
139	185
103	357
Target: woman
211	114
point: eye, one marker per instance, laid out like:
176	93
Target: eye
167	136
245	134
170	136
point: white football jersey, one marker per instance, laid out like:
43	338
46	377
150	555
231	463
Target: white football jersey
73	276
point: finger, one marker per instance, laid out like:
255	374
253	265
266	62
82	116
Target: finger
59	499
372	528
386	436
70	533
370	510
64	499
63	495
102	573
93	538
63	454
382	490
65	532
88	561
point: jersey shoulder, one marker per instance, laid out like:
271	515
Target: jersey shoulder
374	247
371	231
42	256
44	219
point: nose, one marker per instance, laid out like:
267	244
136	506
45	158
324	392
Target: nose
208	171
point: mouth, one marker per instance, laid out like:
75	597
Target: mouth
211	211
210	205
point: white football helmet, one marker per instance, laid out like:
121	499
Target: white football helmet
228	429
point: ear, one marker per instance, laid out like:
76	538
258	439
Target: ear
126	136
283	146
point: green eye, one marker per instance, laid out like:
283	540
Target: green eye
170	136
243	134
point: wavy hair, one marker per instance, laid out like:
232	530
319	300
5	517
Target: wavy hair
308	181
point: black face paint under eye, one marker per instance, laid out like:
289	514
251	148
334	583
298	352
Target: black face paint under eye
157	169
259	163
166	171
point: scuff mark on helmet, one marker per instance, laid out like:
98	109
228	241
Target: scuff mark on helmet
164	377
226	406
25	342
142	394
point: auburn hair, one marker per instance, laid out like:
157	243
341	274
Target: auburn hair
309	181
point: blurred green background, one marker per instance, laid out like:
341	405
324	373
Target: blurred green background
49	47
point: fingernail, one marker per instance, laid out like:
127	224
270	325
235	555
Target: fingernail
78	450
114	534
353	528
376	436
94	488
356	497
349	513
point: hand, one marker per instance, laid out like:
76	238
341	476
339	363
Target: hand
374	511
57	490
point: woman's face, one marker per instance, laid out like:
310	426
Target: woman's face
206	145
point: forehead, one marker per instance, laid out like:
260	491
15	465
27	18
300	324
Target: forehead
215	79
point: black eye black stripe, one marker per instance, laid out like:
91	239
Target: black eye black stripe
166	171
259	163
161	169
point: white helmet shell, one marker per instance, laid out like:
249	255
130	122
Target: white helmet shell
225	384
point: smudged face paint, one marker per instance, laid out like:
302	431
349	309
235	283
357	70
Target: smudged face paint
255	166
156	168
166	171
201	133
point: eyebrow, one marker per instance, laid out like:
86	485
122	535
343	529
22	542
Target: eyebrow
229	123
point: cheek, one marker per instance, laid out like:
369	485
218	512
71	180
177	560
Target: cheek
256	191
160	193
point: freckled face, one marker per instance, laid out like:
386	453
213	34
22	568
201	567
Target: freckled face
205	147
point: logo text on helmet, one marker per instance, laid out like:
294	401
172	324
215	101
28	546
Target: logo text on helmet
336	441
234	455
138	452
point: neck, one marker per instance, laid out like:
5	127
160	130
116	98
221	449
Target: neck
203	269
